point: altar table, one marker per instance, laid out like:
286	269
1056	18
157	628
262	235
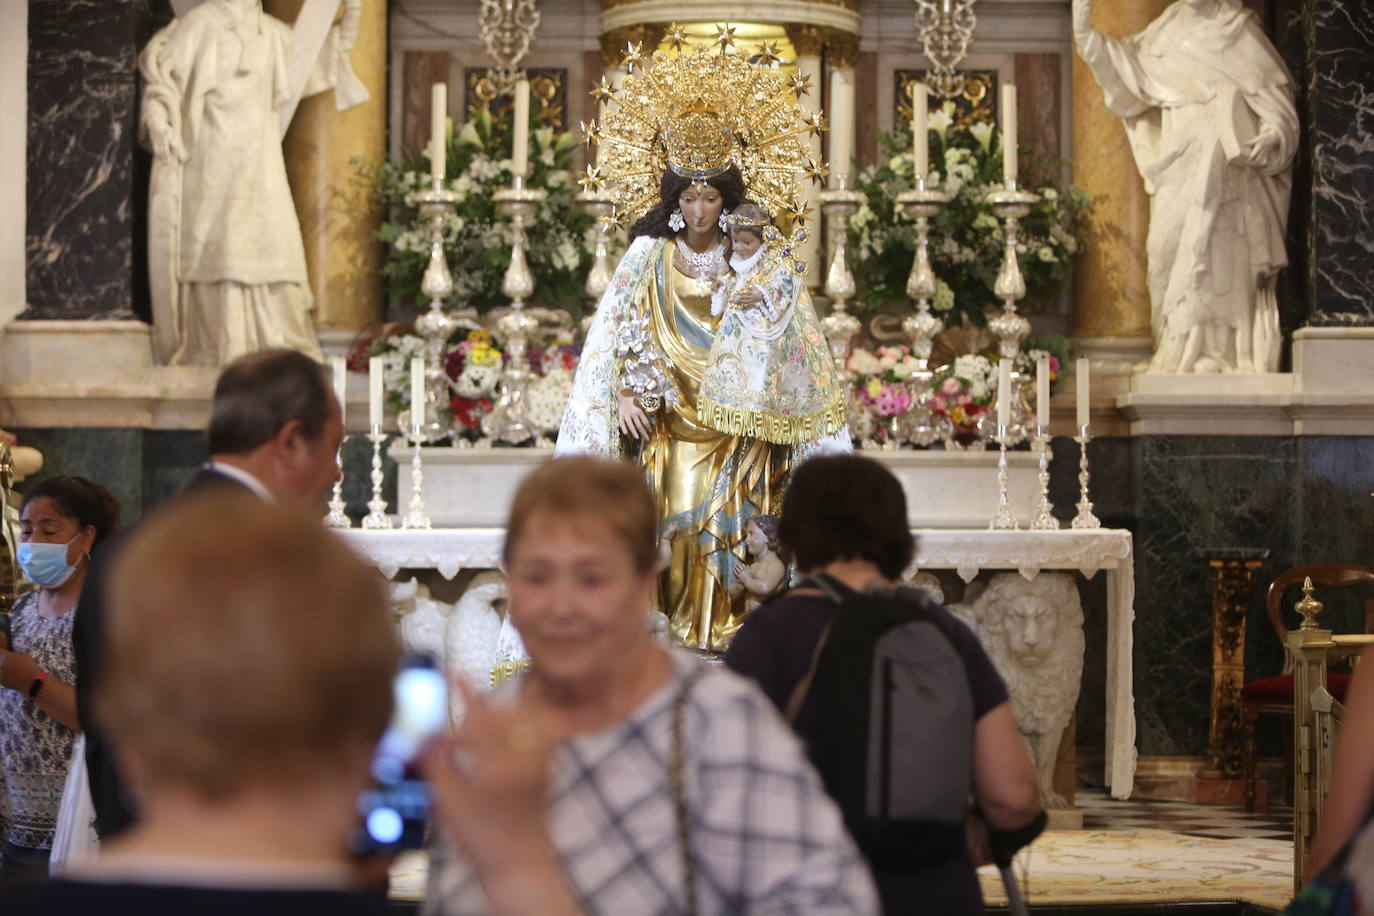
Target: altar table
966	551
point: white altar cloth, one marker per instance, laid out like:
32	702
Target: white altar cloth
967	552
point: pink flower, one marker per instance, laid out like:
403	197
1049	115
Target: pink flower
951	386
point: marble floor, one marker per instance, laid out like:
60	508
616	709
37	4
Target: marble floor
1101	812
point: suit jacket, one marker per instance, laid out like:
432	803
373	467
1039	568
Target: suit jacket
113	806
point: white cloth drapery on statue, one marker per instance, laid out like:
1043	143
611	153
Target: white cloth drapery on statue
1208	109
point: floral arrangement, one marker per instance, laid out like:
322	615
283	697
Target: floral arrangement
474	366
966	238
474	369
477	238
964	389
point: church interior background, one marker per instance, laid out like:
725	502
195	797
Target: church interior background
1221	480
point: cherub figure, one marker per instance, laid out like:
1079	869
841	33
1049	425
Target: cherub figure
765	575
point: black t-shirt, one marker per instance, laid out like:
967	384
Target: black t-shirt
774	646
77	898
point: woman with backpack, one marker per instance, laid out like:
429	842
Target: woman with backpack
870	678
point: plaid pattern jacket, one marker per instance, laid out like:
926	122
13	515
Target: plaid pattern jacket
767	838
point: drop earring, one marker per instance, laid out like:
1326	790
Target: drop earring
676	222
721	222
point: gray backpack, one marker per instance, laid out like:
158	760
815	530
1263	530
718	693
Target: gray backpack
894	724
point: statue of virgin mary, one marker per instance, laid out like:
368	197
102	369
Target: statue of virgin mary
693	136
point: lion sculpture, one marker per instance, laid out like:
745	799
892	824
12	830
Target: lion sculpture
1033	631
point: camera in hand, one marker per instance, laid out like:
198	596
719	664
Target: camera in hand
395	810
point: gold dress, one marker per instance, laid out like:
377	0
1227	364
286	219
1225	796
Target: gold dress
708	483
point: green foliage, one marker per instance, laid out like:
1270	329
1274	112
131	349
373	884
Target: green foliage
966	239
477	238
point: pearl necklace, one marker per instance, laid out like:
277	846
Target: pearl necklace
705	262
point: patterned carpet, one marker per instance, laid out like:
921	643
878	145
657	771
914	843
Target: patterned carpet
1128	852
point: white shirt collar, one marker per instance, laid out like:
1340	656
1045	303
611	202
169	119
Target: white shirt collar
243	477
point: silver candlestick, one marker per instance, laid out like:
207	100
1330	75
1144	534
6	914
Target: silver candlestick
337	518
839	326
1002	518
506	421
1085	517
922	203
1044	519
415	516
599	277
435	325
376	517
1008	327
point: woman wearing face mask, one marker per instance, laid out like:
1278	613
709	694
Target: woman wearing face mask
691	138
62	520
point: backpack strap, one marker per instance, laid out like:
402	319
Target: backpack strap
837	591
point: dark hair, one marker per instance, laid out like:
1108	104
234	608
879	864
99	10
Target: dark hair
85	501
843	507
768	525
258	394
729	183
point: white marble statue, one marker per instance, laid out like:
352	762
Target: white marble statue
1033	631
423	620
226	263
1208	108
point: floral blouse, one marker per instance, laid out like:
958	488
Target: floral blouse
35	749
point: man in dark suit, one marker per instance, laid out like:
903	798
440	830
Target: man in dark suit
274	432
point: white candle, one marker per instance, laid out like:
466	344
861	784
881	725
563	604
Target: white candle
438	130
920	132
520	158
1081	371
1042	391
340	368
841	123
374	392
1008	132
1003	393
417	391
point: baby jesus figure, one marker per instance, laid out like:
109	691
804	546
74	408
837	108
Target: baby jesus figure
769	374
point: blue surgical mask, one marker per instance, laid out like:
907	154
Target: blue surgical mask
46	564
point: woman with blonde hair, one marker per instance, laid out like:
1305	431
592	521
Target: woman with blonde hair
616	775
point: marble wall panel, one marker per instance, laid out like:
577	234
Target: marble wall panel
113	457
1194	494
81	102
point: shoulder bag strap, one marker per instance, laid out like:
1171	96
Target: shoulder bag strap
677	781
794	702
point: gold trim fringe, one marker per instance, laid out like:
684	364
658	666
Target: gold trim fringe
760	424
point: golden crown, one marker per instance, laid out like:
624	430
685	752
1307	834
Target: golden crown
698	114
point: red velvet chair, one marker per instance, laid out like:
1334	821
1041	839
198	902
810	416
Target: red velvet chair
1274	695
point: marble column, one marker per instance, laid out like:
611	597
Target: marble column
83	196
343	258
807	41
1111	297
1335	73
